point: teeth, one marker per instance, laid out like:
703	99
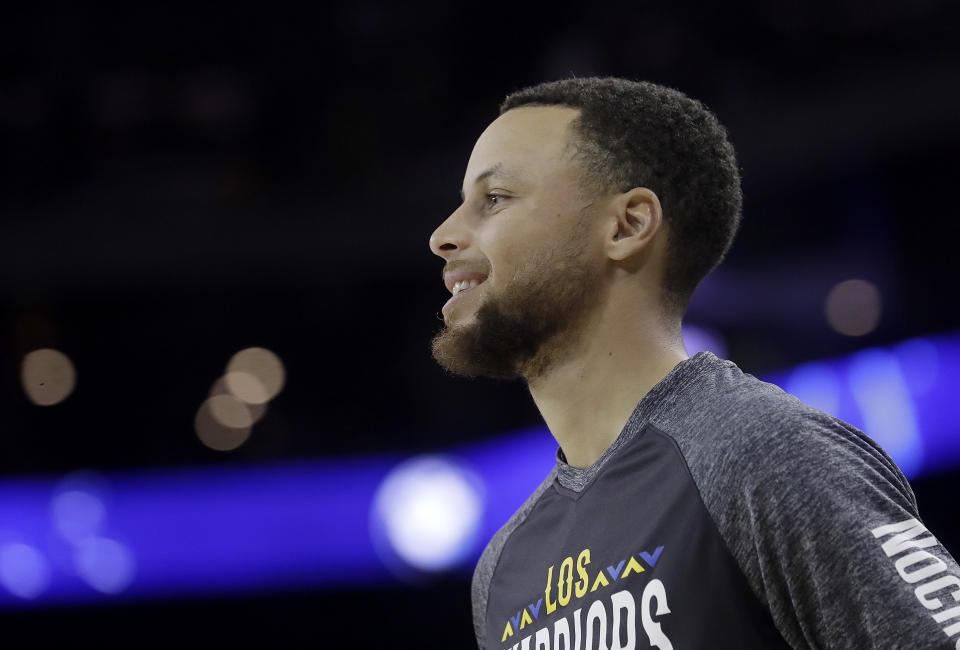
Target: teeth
463	285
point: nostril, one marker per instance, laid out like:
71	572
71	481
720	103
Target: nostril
448	247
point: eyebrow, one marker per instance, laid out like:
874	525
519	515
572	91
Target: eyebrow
498	171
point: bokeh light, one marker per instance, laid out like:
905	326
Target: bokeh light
853	307
256	411
239	398
48	376
24	571
429	509
105	564
879	388
230	412
223	423
246	386
77	514
255	375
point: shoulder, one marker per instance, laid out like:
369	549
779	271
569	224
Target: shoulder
741	436
730	402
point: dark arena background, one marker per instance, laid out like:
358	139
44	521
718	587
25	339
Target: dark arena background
219	417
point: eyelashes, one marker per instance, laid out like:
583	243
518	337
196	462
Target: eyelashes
492	199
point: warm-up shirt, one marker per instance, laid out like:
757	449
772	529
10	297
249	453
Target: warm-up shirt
727	514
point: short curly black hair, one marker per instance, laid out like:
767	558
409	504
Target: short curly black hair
641	134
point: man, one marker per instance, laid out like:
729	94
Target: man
691	506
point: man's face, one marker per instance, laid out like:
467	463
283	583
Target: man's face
523	237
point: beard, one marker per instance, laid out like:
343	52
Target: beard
531	324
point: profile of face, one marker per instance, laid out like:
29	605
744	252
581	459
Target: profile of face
522	255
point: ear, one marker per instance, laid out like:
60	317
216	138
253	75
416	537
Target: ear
638	218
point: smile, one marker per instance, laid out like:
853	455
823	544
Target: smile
464	285
459	290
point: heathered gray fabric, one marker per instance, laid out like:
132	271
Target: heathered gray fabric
795	494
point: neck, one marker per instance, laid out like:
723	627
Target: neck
587	396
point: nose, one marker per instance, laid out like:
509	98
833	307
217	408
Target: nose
450	236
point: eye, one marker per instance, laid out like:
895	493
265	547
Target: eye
494	199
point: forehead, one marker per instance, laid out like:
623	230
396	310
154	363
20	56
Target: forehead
529	142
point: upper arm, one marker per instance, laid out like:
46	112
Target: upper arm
831	541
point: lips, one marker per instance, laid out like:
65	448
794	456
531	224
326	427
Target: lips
460	289
465	285
452	278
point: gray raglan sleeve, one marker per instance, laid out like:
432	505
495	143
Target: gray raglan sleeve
826	529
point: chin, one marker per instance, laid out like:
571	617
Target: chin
460	349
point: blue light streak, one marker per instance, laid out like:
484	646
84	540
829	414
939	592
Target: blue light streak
178	532
203	531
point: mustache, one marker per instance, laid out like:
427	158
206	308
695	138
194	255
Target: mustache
473	266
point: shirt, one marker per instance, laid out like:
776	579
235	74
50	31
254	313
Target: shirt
726	514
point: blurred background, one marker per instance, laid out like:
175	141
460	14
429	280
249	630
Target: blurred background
219	417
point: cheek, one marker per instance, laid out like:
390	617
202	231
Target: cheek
519	241
504	245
